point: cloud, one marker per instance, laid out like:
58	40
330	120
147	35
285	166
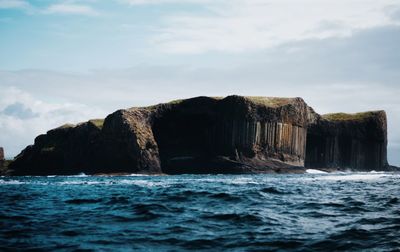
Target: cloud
341	74
237	26
19	110
14	4
23	117
71	8
394	12
148	2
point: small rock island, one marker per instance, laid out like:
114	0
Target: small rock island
204	135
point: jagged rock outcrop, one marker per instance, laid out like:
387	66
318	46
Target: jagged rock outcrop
4	163
1	154
2	159
353	141
68	149
127	144
210	135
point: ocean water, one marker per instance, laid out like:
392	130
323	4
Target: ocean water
297	212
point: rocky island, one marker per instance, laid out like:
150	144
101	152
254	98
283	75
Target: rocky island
203	135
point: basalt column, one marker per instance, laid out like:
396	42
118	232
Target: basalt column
1	157
353	141
263	140
262	129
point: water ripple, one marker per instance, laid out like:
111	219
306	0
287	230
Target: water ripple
301	212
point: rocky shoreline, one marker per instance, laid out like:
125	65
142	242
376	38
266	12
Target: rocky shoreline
211	135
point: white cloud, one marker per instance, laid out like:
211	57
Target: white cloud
146	2
71	8
19	131
347	74
235	26
14	4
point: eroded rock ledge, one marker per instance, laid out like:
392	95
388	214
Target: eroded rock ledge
234	134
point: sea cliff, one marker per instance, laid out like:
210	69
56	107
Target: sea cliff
234	134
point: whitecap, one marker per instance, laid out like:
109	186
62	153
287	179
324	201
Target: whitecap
315	171
241	181
10	182
144	183
355	177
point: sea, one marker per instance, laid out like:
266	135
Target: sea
315	211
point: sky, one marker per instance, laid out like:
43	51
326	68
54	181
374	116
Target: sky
71	60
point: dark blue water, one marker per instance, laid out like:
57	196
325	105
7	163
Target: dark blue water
310	212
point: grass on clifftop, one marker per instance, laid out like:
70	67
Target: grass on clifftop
349	117
65	126
179	101
259	100
269	101
97	122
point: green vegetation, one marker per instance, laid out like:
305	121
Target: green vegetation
217	97
173	102
179	101
67	125
97	122
259	100
4	166
269	101
349	117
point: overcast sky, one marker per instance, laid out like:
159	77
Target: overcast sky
71	60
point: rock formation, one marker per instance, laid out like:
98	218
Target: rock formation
2	159
65	150
1	154
211	135
356	141
3	163
235	134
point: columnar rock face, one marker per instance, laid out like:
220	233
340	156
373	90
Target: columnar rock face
2	159
353	141
267	128
235	134
210	135
1	154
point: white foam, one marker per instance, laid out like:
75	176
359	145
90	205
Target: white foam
355	177
11	182
314	171
241	181
237	180
144	183
380	172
